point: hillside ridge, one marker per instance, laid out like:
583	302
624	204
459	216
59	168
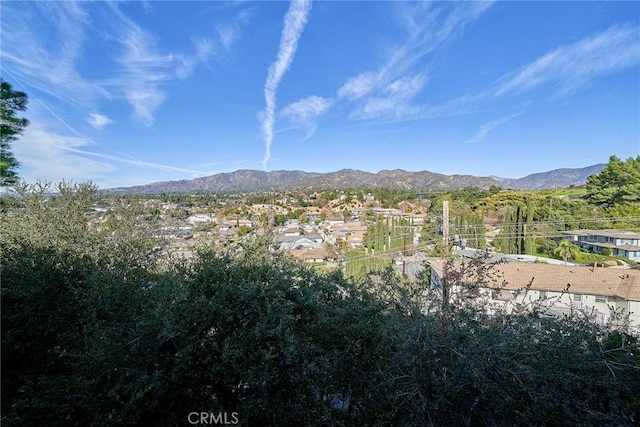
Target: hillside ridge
245	180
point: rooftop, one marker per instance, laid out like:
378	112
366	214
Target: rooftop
621	283
619	234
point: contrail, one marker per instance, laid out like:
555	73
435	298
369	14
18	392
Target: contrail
294	22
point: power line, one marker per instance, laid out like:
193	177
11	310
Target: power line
468	233
565	221
465	234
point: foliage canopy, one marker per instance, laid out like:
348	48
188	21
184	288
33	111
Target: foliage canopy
566	250
96	332
11	126
617	183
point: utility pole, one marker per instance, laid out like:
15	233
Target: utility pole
445	248
445	228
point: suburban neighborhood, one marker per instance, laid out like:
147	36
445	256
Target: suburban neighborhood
322	229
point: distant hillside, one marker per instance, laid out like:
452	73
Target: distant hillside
255	180
560	178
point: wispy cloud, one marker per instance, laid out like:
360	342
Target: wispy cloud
208	48
146	68
50	156
294	23
488	127
388	93
44	43
227	34
230	32
358	86
395	100
98	121
306	109
147	6
141	163
569	67
48	65
389	90
205	48
461	105
143	68
558	73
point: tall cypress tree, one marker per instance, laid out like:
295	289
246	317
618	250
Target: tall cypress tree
529	243
519	240
508	231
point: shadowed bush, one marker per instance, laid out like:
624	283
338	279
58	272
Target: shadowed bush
91	340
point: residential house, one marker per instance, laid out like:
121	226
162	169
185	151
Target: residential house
562	289
201	218
300	242
315	256
292	231
620	242
351	233
335	220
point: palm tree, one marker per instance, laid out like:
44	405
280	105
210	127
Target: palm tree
566	250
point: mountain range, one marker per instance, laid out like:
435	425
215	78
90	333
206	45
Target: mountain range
246	180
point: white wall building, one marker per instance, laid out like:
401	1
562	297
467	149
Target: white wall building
621	242
594	291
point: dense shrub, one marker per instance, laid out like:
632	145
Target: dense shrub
88	340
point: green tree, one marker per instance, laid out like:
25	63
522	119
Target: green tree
10	127
516	236
506	240
529	244
617	183
566	250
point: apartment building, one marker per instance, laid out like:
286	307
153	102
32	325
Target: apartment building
620	242
597	292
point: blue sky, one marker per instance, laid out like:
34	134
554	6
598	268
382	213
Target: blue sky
126	93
